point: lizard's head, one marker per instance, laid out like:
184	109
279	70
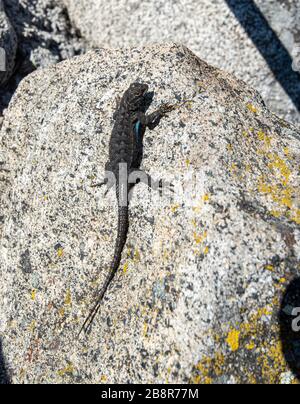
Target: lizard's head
136	94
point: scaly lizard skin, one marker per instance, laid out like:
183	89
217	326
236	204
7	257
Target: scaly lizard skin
126	145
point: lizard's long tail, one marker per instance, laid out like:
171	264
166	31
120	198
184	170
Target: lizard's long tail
123	225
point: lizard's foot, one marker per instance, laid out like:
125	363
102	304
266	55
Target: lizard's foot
166	108
101	184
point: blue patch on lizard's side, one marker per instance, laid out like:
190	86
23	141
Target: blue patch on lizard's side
137	129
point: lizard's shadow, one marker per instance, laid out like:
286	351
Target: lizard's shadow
148	99
4	378
290	339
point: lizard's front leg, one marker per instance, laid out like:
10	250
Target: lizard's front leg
154	118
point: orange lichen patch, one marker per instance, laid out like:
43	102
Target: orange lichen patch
68	370
252	108
233	340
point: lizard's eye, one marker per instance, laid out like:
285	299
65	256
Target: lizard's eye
138	97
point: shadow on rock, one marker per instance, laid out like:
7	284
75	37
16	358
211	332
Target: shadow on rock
45	37
269	45
289	318
4	378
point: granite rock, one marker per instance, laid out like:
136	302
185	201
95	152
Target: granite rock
204	270
211	30
45	36
8	46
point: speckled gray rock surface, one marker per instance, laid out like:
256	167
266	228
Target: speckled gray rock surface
45	36
207	27
44	31
8	46
198	291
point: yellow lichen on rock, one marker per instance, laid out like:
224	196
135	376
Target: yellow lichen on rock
277	186
263	137
125	267
233	340
246	337
33	294
252	108
60	252
68	298
68	370
272	362
206	250
199	238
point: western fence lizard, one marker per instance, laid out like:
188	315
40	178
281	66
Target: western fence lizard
125	157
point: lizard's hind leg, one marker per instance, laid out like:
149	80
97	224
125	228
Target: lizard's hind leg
109	182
